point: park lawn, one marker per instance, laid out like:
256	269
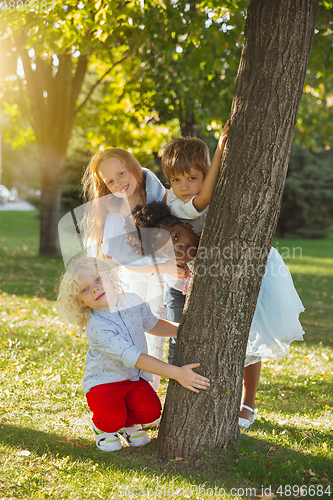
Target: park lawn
46	445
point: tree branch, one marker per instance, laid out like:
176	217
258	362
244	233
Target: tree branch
97	83
35	92
78	78
61	107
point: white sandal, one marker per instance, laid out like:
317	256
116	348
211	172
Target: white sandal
244	422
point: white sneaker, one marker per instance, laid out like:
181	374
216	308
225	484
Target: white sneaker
106	441
135	435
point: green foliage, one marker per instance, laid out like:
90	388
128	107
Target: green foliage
307	203
315	118
57	45
190	57
125	116
173	63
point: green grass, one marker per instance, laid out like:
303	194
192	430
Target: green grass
46	446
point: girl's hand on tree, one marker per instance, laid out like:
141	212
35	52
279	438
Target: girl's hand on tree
191	380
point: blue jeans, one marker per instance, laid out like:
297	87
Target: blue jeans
174	302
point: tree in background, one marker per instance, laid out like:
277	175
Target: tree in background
53	51
307	203
241	220
315	118
132	74
47	59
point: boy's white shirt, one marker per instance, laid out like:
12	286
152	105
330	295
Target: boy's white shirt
186	211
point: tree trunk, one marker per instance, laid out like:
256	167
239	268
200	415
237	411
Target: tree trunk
240	226
52	167
53	100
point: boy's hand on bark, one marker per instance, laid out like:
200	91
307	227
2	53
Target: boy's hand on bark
224	135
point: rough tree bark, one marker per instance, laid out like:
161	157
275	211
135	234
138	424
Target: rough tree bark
241	220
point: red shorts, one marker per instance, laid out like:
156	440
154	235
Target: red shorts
123	404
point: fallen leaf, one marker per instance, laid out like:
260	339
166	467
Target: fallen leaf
179	458
178	492
271	449
68	440
324	480
267	497
269	464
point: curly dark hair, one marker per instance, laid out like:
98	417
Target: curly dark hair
156	215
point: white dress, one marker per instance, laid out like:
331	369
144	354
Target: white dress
275	323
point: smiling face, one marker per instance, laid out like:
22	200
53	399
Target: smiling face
96	291
187	185
183	244
117	178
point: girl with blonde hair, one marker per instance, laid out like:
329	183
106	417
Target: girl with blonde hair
118	369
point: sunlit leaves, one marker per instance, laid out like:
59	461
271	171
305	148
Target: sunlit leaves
315	119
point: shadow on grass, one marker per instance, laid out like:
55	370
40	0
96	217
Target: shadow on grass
302	399
29	275
251	462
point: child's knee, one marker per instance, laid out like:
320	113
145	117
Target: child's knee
109	423
152	411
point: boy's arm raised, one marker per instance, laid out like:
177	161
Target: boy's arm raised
184	374
203	199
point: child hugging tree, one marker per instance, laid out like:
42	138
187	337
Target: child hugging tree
118	369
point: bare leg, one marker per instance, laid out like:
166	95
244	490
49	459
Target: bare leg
250	385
